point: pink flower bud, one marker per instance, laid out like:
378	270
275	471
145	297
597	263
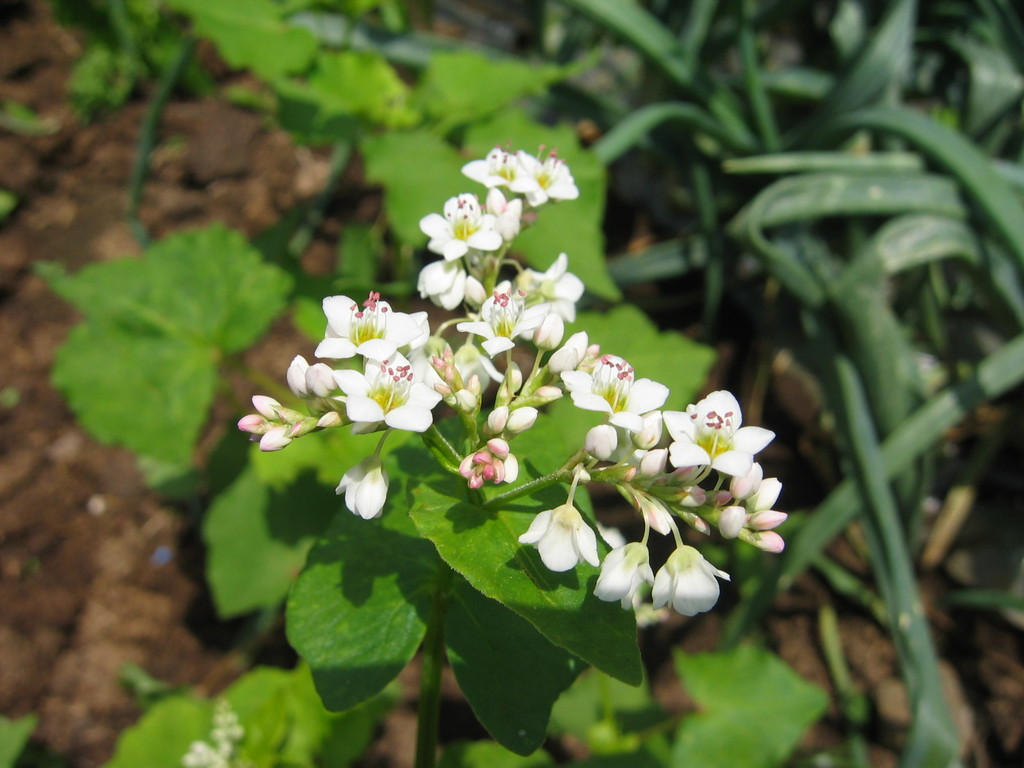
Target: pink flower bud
330	419
721	498
498	447
731	521
746	486
268	406
275	438
547	394
513	378
254	424
653	462
767	520
770	541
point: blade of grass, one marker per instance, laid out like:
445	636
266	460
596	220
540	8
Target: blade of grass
998	373
764	116
827	162
957	156
932	740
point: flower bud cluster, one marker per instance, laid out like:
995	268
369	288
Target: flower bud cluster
219	751
390	370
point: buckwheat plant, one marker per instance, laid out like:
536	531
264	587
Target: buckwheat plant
496	364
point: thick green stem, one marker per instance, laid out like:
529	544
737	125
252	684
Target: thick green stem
429	707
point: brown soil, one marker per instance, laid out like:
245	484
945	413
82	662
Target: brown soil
97	571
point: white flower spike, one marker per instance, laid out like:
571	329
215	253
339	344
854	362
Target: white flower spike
371	329
687	582
562	537
387	392
463	226
710	433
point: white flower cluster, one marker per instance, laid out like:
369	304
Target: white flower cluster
395	370
219	751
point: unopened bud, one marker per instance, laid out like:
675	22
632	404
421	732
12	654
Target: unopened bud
746	486
721	498
652	463
497	419
549	333
650	435
513	379
571	353
731	521
601	441
320	380
476	294
767	520
770	541
473	385
275	438
521	419
254	424
466	401
267	406
547	394
296	376
330	419
498	447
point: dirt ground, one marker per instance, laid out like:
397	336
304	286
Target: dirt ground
97	571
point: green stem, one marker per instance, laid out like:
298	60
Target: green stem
441	448
147	136
429	707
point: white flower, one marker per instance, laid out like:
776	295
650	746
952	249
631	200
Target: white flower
710	433
443	282
556	285
495	170
463	226
387	392
623	571
505	318
508	214
688	582
541	181
562	538
372	330
612	389
365	487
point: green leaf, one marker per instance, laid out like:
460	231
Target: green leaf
587	704
257	539
753	709
8	202
570	226
163	736
14	735
252	34
401	161
483	546
343	89
357	613
665	356
487	754
509	673
141	370
463	86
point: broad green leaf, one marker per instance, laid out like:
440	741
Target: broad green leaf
8	202
14	735
401	161
257	538
569	226
141	370
463	86
358	611
483	546
252	34
509	673
148	394
343	89
487	754
163	736
664	356
753	709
